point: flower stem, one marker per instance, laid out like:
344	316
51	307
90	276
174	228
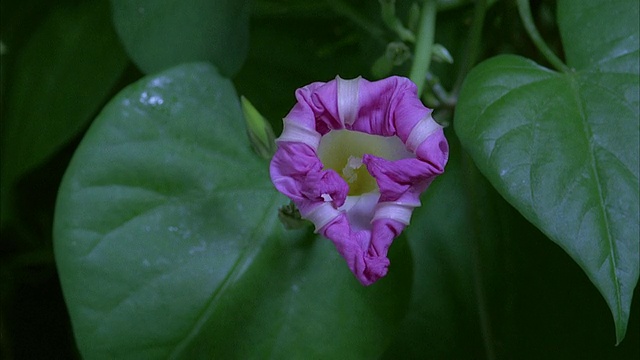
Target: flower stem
527	20
424	44
388	9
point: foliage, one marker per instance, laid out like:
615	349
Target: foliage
166	233
563	147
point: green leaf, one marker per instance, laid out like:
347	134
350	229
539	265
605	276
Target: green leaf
479	290
600	37
168	243
161	34
60	79
563	147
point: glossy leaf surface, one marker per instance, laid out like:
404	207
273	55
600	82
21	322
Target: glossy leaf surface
168	244
162	34
563	147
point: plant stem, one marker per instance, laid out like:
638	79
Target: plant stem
473	45
440	92
424	44
388	10
527	20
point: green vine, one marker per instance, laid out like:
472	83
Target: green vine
424	44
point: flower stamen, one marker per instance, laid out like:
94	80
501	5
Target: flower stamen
349	171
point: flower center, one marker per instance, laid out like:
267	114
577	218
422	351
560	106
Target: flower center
342	151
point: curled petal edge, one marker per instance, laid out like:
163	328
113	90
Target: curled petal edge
388	107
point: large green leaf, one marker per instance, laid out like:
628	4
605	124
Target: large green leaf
479	290
61	78
563	147
162	34
168	244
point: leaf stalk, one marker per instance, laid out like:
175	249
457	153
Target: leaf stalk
527	20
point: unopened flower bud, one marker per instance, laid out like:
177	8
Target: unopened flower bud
259	130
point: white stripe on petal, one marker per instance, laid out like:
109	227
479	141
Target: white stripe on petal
421	132
397	211
322	215
294	131
348	99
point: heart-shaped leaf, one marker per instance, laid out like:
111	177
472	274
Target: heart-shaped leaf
563	147
161	34
168	244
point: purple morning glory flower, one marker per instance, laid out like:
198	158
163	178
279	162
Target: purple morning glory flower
354	157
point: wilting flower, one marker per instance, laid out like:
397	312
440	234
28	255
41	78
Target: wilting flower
354	157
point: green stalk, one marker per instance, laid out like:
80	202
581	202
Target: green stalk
472	48
527	20
424	44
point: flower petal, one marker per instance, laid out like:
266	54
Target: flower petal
297	172
360	210
347	92
362	229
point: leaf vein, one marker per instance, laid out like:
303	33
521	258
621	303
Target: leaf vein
248	253
595	170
